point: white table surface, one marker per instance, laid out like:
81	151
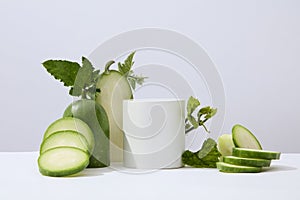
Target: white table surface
20	179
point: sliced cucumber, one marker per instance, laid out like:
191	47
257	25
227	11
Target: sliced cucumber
114	89
229	168
254	153
225	144
64	139
62	161
252	162
70	123
243	138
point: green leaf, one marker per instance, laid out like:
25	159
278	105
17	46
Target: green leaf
211	113
132	82
193	121
84	77
192	104
62	70
204	110
206	157
187	126
207	146
124	68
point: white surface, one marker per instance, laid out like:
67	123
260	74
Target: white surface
20	179
255	44
154	133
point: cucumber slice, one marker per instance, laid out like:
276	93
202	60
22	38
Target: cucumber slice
243	138
66	139
62	161
252	162
229	168
254	153
70	123
114	89
225	144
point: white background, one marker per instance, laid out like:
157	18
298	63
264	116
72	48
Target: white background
255	45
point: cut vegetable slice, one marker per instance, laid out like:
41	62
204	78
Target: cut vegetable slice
254	153
229	168
225	144
70	123
252	162
114	89
64	139
243	138
62	161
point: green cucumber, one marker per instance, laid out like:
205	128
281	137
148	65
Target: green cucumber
243	138
225	144
62	161
65	138
229	168
252	162
254	153
70	123
114	88
96	118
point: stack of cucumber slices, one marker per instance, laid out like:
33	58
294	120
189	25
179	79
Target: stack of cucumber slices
66	147
242	152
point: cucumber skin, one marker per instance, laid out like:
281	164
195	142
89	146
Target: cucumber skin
223	167
246	161
96	118
91	144
58	132
62	173
236	143
251	153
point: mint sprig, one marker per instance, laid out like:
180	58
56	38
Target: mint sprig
62	70
81	79
126	70
206	157
203	115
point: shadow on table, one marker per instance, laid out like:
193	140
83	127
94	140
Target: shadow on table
279	168
91	172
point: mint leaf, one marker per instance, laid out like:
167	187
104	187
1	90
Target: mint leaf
84	77
81	79
203	115
206	157
124	68
206	148
192	104
62	70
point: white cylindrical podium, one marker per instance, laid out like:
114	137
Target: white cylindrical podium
154	133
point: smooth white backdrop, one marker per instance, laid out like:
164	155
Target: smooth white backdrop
255	45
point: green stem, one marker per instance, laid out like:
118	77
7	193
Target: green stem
107	66
189	130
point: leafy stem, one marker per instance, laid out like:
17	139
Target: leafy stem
203	115
126	70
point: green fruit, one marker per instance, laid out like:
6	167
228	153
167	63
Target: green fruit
95	116
114	89
225	144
